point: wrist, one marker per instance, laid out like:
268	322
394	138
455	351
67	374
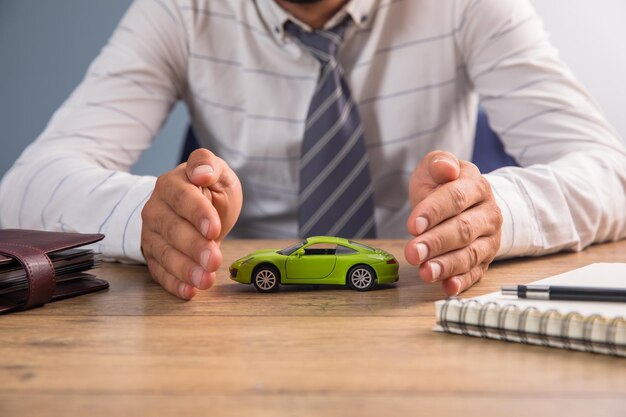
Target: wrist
518	225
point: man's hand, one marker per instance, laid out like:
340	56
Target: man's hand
190	211
456	221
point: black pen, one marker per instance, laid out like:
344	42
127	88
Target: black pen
548	292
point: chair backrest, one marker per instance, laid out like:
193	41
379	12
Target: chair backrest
488	154
190	145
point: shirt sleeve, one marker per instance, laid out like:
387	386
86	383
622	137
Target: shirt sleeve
570	188
75	176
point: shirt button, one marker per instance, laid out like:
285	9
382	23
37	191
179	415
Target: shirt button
363	18
277	29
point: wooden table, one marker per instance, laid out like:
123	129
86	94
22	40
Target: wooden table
137	351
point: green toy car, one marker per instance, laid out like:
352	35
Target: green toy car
317	260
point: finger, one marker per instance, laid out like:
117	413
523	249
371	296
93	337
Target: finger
176	263
171	284
442	166
189	202
454	233
449	200
456	285
204	169
460	261
183	236
434	169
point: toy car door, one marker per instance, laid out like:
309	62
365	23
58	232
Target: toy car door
311	263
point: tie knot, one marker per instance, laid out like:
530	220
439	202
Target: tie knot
322	44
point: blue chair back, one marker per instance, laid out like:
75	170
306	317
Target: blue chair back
190	145
488	154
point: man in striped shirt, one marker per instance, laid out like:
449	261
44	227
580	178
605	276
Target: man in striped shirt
405	77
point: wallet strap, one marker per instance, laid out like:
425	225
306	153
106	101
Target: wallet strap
39	272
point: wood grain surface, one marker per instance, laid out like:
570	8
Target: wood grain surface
304	351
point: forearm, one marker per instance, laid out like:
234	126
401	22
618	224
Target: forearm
568	204
570	189
66	192
75	176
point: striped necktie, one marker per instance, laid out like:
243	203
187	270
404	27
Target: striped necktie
335	193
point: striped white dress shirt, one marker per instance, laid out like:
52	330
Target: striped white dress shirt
417	69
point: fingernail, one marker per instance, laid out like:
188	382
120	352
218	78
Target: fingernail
182	290
421	224
446	160
435	270
196	276
422	251
205	256
457	285
202	169
204	227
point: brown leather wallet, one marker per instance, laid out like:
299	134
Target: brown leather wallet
31	249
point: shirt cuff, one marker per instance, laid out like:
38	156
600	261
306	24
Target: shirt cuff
123	231
519	227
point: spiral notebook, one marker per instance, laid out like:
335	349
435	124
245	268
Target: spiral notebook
598	327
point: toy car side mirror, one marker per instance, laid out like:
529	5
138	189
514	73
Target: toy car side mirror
299	253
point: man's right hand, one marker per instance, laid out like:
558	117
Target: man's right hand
190	211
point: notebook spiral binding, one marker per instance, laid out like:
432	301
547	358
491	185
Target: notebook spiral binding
589	345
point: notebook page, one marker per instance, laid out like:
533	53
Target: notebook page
495	310
610	275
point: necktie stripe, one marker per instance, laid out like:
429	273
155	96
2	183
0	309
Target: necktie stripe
335	195
328	119
325	41
321	55
328	69
343	203
348	214
340	157
323	92
323	107
331	181
365	229
306	158
334	38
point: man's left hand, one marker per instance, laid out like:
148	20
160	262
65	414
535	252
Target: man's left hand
455	220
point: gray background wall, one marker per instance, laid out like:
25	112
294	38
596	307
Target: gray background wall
46	46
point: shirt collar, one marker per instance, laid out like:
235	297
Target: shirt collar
361	11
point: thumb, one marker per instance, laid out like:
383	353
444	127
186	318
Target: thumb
442	166
219	184
436	168
205	169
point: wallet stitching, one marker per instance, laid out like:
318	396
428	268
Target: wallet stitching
85	240
26	263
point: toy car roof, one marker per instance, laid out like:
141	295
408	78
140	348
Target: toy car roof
327	239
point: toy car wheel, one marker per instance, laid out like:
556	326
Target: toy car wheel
361	278
265	279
